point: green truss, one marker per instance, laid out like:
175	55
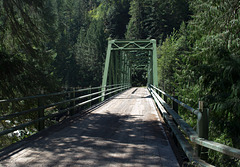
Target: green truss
123	56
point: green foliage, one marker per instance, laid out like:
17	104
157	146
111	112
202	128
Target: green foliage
134	30
166	63
46	41
117	18
215	45
203	62
83	28
154	19
25	57
90	51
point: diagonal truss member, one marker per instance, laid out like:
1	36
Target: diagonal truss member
125	55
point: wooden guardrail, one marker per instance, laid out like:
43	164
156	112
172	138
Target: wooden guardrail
178	125
76	98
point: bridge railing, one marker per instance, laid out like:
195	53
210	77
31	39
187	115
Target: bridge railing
181	129
49	106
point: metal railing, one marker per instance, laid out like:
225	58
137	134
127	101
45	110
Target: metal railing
66	104
181	128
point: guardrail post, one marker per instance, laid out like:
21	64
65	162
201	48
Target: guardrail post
165	98
175	105
90	91
73	103
103	93
175	108
159	93
41	124
202	129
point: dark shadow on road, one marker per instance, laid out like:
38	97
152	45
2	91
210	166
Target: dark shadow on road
102	139
134	97
97	139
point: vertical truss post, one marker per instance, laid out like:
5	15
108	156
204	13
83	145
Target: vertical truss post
117	67
110	74
130	82
154	54
125	68
113	62
122	67
111	70
128	70
149	70
105	74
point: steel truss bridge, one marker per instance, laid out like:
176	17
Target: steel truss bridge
113	124
125	56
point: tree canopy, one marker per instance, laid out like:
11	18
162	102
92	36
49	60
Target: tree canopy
50	44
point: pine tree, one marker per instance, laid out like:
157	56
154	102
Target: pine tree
90	53
25	57
215	49
134	30
210	69
156	19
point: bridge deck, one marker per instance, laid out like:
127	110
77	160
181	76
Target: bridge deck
125	131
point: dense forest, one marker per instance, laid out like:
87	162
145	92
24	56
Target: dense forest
51	44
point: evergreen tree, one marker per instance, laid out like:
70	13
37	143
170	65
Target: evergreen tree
26	55
117	19
90	53
156	19
72	16
135	28
206	67
214	33
114	14
25	59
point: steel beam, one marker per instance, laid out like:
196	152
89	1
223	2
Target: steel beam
154	63
105	74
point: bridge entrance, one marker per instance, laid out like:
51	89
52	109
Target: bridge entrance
126	58
139	78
